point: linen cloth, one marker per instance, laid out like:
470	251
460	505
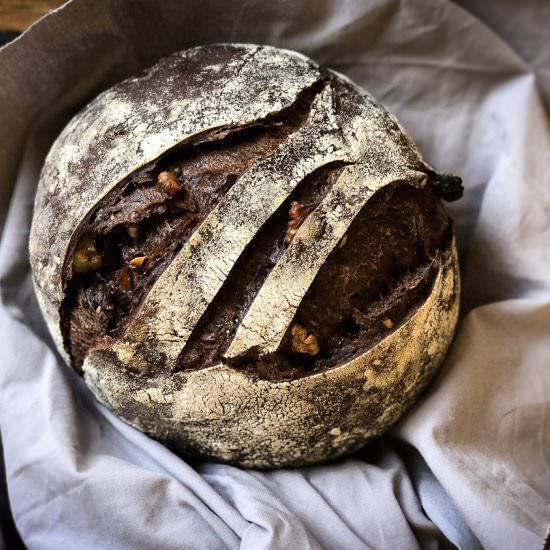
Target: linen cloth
468	467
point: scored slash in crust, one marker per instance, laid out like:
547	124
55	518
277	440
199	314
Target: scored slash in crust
246	256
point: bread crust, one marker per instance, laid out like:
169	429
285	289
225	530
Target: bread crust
232	416
220	412
137	121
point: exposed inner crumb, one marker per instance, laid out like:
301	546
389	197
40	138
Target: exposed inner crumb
151	215
216	329
380	272
368	286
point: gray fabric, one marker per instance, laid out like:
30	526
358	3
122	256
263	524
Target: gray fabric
468	466
526	30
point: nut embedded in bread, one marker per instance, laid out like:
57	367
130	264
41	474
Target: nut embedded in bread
246	257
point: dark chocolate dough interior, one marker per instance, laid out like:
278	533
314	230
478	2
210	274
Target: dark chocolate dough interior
95	304
380	274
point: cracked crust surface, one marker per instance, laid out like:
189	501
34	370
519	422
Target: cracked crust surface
183	292
222	412
228	415
137	121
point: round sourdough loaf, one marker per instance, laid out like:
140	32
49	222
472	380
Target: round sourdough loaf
246	257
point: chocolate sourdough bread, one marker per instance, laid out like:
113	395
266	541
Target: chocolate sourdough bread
246	257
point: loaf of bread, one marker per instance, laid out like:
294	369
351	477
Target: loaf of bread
246	257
